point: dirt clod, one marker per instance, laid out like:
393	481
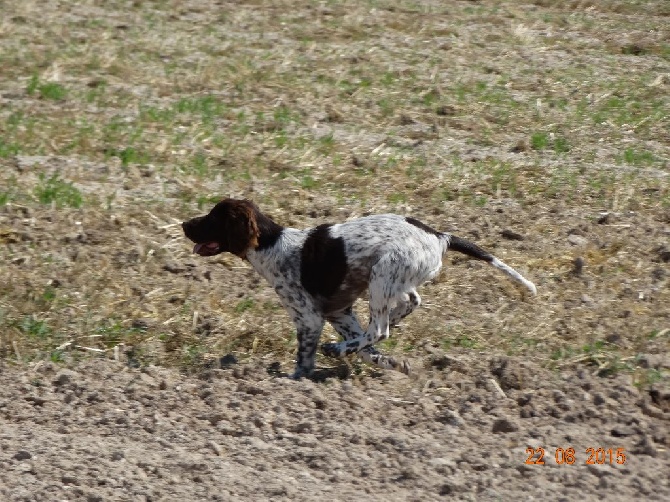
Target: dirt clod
511	235
504	425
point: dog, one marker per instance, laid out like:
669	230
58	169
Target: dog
319	273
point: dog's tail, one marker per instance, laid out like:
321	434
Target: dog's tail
470	249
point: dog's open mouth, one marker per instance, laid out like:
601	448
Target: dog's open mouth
206	248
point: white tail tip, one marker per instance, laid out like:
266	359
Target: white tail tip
514	274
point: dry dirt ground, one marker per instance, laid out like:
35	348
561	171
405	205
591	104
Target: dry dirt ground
132	370
102	431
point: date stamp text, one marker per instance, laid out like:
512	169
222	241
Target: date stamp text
569	456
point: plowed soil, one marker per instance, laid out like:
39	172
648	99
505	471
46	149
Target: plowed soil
103	431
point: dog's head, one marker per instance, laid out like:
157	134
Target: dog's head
230	226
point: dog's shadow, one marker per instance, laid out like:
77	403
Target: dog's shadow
342	371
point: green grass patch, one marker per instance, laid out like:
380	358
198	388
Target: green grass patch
466	342
114	332
58	191
8	149
539	141
561	145
307	181
386	106
46	90
52	90
33	327
638	157
204	201
129	155
397	198
207	108
543	141
244	305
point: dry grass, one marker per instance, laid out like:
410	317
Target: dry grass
120	119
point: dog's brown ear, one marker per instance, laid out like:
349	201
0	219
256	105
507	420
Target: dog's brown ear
242	228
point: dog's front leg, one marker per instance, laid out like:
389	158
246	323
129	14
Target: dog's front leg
308	340
308	323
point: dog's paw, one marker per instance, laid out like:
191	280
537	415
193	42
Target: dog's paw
300	373
373	356
331	349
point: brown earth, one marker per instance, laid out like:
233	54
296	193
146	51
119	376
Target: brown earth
132	370
102	431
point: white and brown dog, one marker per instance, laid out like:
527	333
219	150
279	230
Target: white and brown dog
320	272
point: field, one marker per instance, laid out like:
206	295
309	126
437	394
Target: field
131	369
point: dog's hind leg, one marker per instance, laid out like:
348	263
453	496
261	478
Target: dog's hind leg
347	326
409	302
387	288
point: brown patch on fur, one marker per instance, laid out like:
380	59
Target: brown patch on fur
323	263
241	227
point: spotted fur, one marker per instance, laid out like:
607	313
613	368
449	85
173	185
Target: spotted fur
319	273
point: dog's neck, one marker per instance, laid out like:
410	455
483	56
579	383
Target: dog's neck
280	261
268	231
266	256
